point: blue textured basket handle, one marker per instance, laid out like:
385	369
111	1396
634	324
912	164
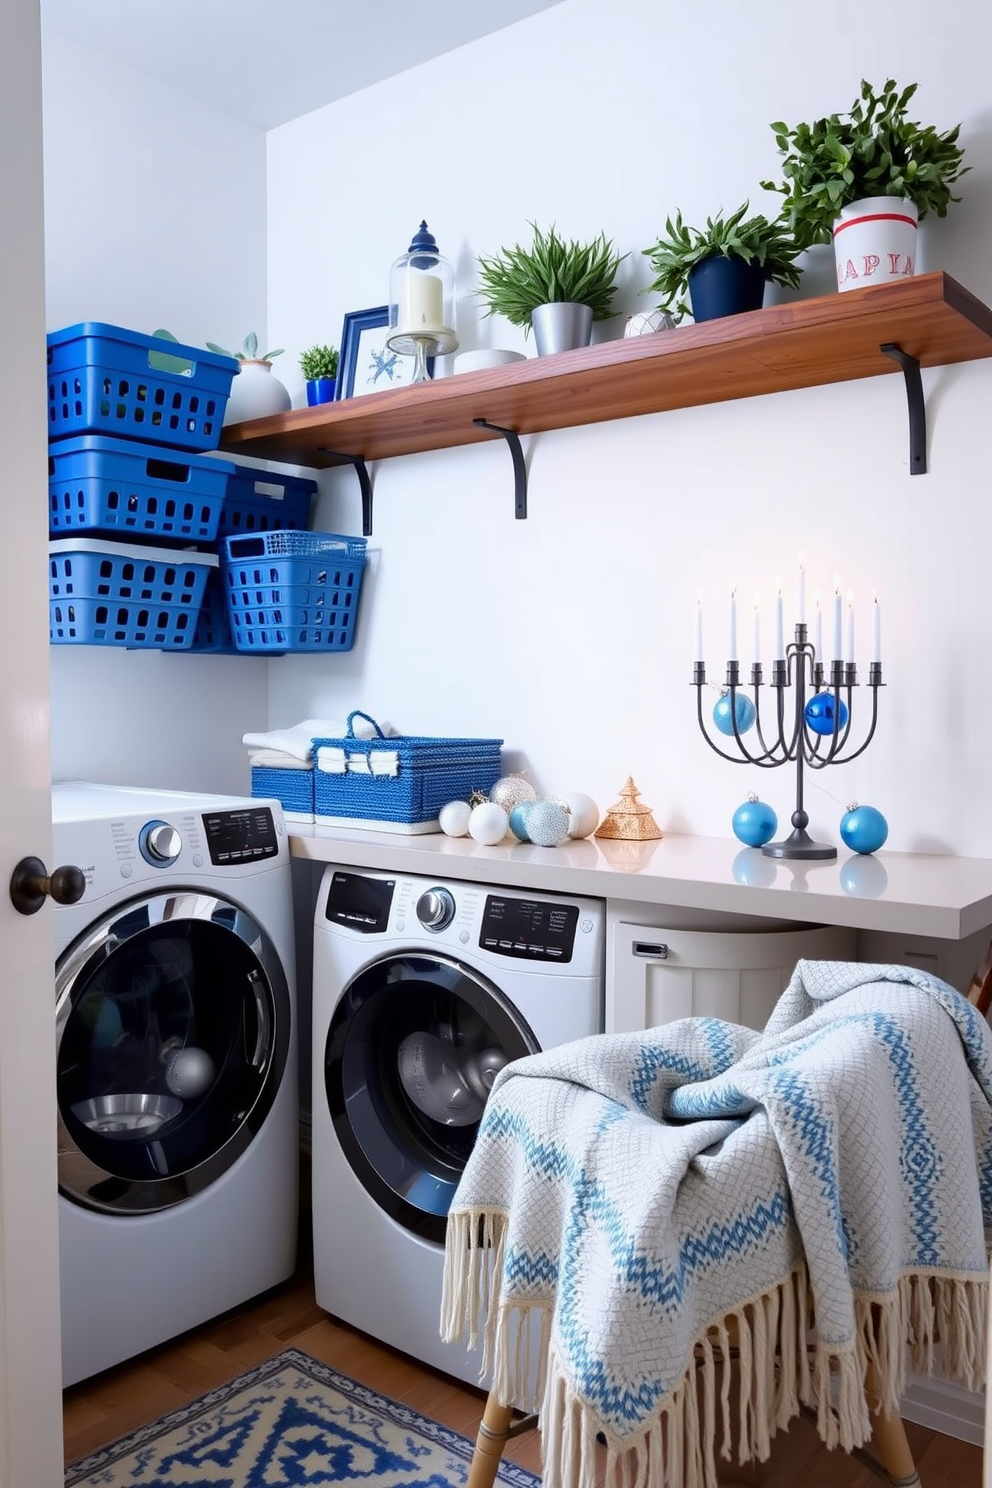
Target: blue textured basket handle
364	745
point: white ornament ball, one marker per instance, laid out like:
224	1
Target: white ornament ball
510	790
647	321
547	823
453	818
583	814
488	823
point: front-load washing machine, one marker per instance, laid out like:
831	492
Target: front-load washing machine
422	992
177	1079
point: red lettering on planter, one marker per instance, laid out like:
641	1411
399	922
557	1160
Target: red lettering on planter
872	262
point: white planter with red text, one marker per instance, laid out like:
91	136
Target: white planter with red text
875	241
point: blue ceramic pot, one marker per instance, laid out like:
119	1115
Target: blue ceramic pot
320	390
725	284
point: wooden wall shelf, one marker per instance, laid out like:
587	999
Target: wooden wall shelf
931	319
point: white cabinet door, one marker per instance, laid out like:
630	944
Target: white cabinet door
30	1366
655	975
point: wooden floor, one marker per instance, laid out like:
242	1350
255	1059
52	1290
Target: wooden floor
99	1410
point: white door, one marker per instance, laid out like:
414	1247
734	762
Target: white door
30	1369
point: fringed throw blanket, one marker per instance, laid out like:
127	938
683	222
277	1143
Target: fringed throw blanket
644	1203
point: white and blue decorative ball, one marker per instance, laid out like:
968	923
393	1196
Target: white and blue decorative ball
819	713
724	718
754	822
547	823
863	828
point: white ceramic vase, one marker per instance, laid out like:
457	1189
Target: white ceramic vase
255	393
875	241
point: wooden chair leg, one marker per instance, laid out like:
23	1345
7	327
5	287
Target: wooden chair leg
494	1432
893	1447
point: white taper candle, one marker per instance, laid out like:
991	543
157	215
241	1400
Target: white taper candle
732	652
699	627
837	653
876	628
849	639
779	626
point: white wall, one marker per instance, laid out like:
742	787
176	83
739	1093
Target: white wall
155	216
570	634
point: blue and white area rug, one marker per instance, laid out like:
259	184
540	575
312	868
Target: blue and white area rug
291	1421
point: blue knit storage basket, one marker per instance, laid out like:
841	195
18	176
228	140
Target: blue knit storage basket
429	773
292	788
134	490
293	591
261	501
115	594
103	379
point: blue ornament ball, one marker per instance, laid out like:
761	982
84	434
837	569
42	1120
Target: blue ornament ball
724	719
863	828
755	823
819	713
518	820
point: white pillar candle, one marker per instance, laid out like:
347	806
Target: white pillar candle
699	627
818	629
801	593
779	625
837	653
849	640
756	631
421	298
732	653
876	628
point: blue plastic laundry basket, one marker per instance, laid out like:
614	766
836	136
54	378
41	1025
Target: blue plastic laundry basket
134	490
103	379
262	501
117	594
293	591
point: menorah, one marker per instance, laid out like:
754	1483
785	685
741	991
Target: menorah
810	739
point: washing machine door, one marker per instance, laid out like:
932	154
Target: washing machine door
414	1045
172	1017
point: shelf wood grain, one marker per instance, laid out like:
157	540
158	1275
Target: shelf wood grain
807	343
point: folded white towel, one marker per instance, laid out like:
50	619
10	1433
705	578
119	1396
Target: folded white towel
276	759
298	740
334	761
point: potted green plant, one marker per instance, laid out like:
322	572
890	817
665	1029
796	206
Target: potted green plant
722	267
872	167
558	286
254	391
319	365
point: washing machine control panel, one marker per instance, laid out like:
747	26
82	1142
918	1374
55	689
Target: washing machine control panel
360	902
245	835
531	929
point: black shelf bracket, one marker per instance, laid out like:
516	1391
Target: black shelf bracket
917	406
519	468
362	471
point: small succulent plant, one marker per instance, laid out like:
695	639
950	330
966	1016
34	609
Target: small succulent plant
248	352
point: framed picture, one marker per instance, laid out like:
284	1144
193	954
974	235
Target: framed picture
367	364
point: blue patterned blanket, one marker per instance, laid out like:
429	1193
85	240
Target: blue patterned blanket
645	1203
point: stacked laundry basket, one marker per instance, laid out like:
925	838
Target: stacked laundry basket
155	542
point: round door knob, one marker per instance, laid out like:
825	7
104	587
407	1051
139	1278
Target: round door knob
160	844
436	909
31	883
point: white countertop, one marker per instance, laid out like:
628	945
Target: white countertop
906	893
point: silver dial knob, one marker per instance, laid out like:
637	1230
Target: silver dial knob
436	909
162	843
